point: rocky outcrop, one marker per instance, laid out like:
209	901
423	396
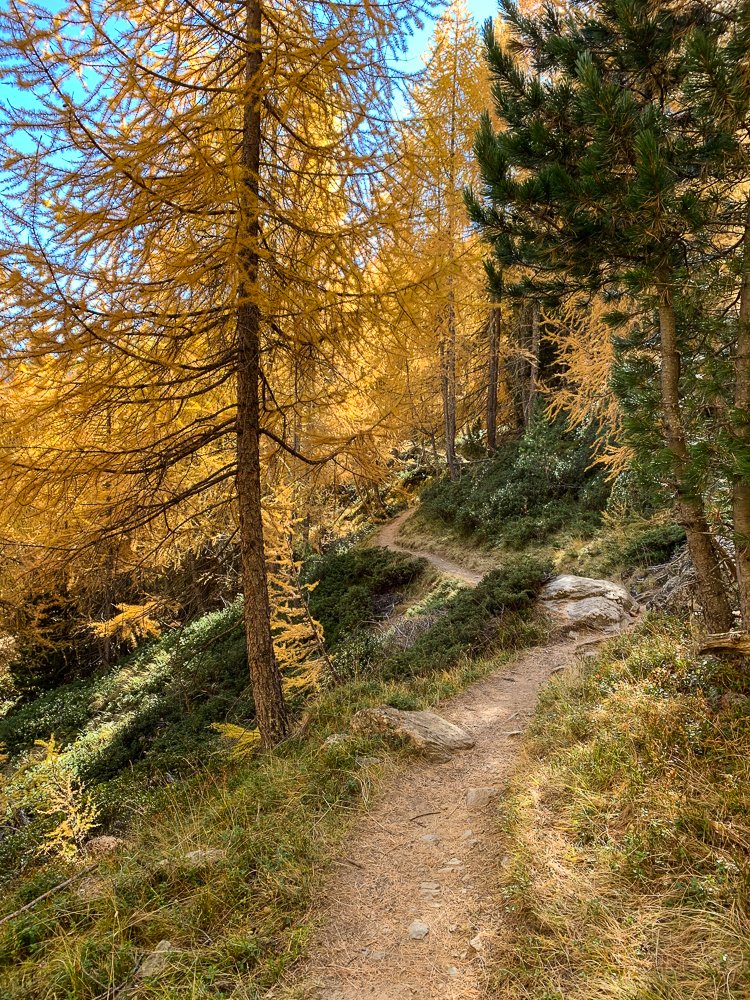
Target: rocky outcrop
424	731
581	602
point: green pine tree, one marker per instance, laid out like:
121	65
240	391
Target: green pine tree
597	179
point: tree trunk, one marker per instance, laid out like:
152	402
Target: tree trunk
492	376
270	708
711	590
448	359
741	488
522	361
534	363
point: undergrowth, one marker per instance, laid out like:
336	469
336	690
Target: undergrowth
139	738
626	868
532	488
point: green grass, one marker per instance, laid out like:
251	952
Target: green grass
140	738
626	830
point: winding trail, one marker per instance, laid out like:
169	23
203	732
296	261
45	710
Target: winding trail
386	538
421	854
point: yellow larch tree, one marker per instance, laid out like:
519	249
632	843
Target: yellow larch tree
187	217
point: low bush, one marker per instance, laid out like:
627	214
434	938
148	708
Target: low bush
346	583
532	488
474	619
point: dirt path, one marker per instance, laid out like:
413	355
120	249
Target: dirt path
387	538
421	854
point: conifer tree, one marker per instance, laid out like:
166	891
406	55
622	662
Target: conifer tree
437	271
187	215
594	184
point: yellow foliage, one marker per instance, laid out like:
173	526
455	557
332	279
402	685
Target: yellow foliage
61	793
585	346
134	623
243	742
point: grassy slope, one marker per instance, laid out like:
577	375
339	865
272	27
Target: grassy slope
236	922
627	830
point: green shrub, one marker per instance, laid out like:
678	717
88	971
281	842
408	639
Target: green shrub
531	489
655	545
472	619
346	583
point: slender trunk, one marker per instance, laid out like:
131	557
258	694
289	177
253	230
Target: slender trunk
492	376
741	488
448	391
270	709
711	590
534	363
522	361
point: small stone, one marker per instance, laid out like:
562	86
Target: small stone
378	956
335	739
103	845
453	972
453	928
430	838
429	887
365	952
199	859
476	943
471	843
466	834
478	798
157	961
418	930
505	863
367	761
454	861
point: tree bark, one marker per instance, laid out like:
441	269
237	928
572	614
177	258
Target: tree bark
741	486
711	589
534	363
522	361
448	386
492	376
270	708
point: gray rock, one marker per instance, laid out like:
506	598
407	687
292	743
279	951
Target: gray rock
200	859
585	602
156	961
378	956
430	838
596	612
478	798
453	972
418	930
426	732
335	738
466	834
576	588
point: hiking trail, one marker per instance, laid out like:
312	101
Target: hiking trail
421	854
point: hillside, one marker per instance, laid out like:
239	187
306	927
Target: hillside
630	776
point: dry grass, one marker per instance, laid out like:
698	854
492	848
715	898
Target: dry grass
447	545
627	871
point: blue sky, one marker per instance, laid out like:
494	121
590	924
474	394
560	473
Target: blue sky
480	10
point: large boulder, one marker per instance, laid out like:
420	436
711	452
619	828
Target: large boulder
426	732
582	602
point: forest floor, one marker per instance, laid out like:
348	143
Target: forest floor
421	854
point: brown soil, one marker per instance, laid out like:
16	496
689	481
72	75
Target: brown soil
373	892
376	888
